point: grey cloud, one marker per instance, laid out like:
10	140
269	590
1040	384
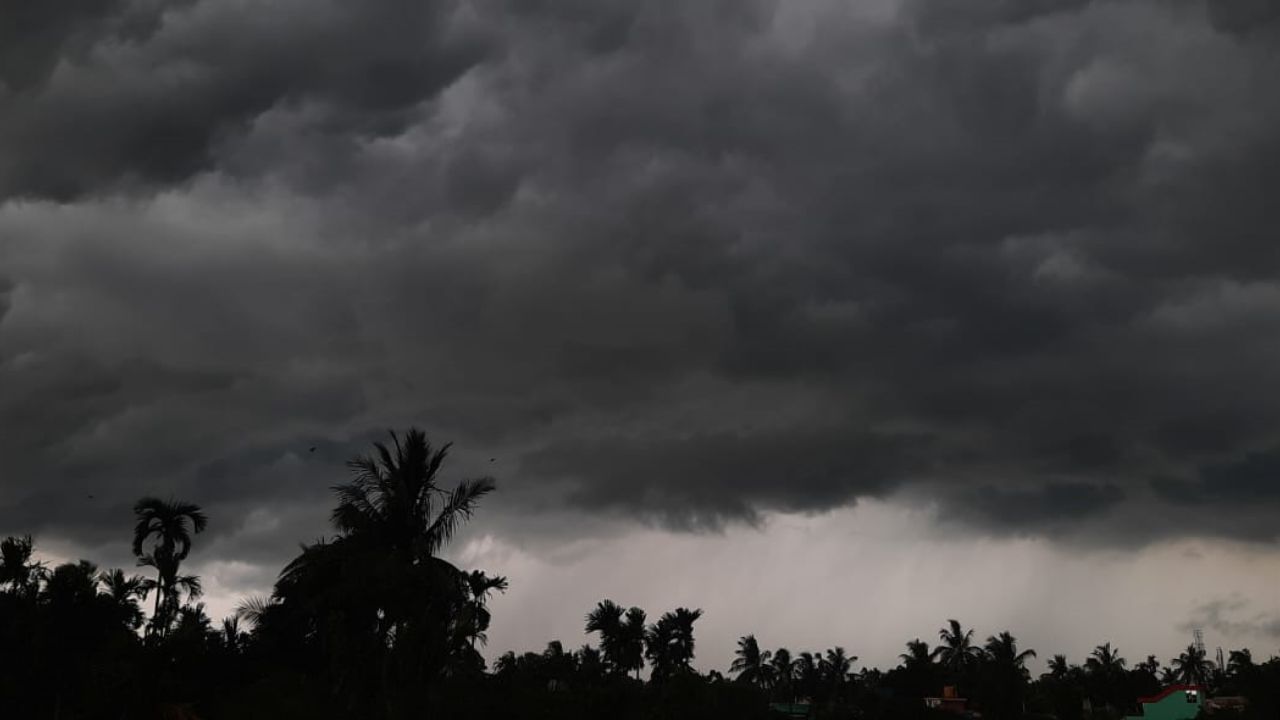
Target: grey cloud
1233	617
687	262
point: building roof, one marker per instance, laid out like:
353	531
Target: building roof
1169	691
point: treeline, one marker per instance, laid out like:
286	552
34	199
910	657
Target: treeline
371	622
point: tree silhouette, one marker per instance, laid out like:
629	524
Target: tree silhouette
956	651
1240	662
162	540
632	632
1006	675
372	623
606	620
1192	667
387	613
1002	650
1058	667
1105	661
750	664
669	642
126	592
783	670
807	674
16	567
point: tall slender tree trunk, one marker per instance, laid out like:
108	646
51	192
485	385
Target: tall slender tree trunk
155	616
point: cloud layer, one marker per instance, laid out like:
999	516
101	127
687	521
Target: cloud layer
686	263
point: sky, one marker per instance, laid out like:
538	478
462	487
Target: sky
834	318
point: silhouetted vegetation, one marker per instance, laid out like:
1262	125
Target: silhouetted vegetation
371	622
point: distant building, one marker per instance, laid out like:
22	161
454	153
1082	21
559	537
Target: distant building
949	702
791	710
1176	702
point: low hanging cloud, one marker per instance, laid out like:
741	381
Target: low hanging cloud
686	263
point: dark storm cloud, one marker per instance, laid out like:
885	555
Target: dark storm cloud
90	105
704	479
684	262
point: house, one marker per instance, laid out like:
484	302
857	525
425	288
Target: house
1176	702
949	702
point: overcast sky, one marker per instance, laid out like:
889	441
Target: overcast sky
835	318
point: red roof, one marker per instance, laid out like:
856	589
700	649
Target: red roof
1169	691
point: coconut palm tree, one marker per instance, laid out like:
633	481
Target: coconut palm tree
1002	650
956	651
395	501
806	673
1192	667
1058	667
162	540
750	664
783	670
389	613
1105	661
835	668
1150	666
917	655
1006	675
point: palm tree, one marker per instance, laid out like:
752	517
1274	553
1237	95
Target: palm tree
1150	666
670	642
806	674
681	622
632	633
1105	661
917	655
168	527
388	611
232	636
659	643
476	615
170	586
125	592
16	569
956	653
1192	667
750	664
1058	667
783	670
606	619
1006	668
1002	650
590	665
254	609
834	670
396	503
